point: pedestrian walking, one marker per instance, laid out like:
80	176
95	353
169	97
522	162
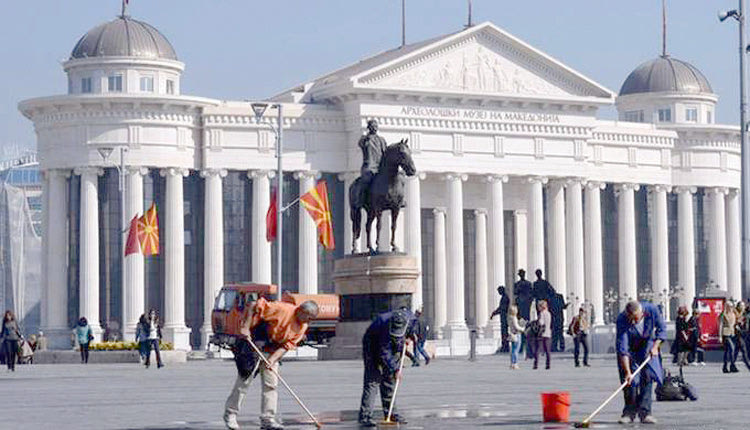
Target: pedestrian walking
741	331
640	332
84	336
10	335
727	322
275	328
141	337
696	350
419	336
381	350
153	328
579	330
516	327
543	340
682	336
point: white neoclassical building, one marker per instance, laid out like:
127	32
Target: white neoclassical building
516	171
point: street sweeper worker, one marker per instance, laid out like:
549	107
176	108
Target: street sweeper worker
640	332
381	350
275	327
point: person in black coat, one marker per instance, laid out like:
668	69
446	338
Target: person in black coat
557	306
502	310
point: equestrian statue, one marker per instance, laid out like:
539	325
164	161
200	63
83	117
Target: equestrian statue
380	185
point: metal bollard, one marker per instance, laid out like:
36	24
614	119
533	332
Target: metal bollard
473	345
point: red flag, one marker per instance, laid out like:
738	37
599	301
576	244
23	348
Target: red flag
132	246
316	203
148	231
271	219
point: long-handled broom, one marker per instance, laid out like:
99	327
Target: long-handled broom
263	357
395	389
586	423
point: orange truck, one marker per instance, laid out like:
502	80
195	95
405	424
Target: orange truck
236	299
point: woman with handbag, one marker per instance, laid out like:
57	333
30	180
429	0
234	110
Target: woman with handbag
11	335
516	328
682	340
84	336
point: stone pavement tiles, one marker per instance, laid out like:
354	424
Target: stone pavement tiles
447	394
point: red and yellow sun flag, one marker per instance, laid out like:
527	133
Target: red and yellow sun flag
316	203
148	231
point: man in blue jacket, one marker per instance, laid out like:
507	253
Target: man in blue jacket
381	349
640	332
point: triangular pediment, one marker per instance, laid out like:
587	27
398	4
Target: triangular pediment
484	60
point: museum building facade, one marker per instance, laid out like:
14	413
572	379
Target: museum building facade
515	171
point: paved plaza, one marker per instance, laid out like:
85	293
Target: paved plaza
447	394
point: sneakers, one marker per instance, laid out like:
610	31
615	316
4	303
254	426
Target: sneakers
733	369
270	424
648	419
230	420
516	366
626	419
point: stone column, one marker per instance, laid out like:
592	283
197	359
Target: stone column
413	223
456	329
660	243
593	250
536	225
55	325
440	273
686	243
496	251
734	253
557	273
89	248
308	239
174	329
213	246
717	242
261	261
574	215
521	245
481	311
348	179
627	263
135	287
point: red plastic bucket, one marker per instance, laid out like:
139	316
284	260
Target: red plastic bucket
556	407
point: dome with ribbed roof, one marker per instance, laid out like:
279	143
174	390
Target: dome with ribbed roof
124	37
666	74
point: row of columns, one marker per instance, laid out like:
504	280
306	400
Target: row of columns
575	245
172	247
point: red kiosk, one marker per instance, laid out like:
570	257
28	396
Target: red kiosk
710	307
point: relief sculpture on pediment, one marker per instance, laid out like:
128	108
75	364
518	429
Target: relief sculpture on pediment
473	69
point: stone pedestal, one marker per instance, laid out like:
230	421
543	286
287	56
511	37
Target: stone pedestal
368	284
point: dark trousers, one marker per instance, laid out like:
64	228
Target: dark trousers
741	347
11	351
419	348
638	397
84	352
580	341
728	351
528	344
542	342
376	376
153	343
696	352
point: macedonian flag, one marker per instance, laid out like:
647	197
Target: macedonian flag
316	203
148	231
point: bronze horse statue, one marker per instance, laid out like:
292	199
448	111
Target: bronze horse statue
386	192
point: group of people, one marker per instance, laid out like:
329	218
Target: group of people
734	334
545	332
14	348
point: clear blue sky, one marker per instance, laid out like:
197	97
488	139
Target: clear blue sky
243	49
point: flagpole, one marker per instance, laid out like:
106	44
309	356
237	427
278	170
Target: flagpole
279	200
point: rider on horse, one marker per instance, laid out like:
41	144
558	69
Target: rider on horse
373	147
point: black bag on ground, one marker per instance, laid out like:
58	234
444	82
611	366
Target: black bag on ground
675	388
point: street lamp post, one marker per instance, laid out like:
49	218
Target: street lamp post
105	152
259	109
739	16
